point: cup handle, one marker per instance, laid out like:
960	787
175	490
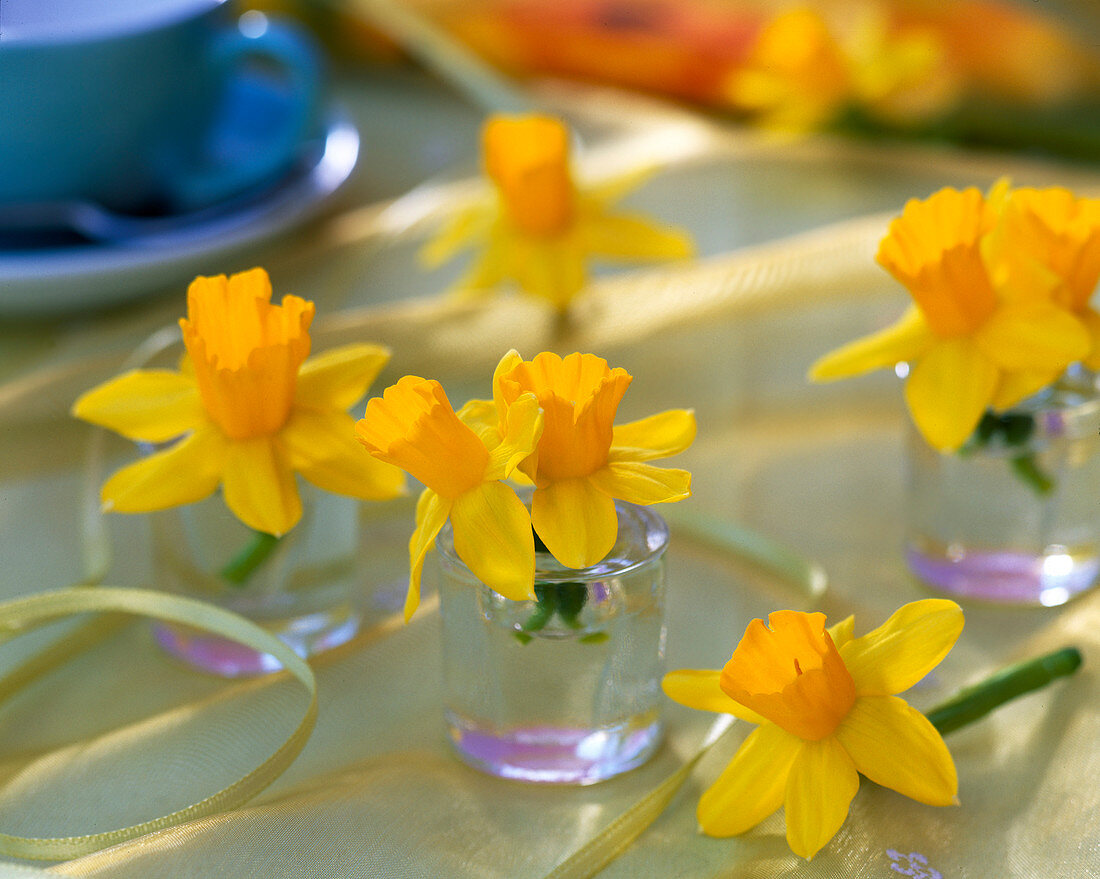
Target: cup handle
295	56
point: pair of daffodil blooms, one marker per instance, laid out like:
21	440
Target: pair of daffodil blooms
550	424
1001	288
249	410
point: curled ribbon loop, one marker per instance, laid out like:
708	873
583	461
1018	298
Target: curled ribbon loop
25	614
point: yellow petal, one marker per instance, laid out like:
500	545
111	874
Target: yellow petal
148	405
553	271
699	689
638	483
841	632
896	746
481	417
187	472
260	488
820	787
576	522
523	427
604	193
1017	386
912	642
1033	335
339	378
322	447
432	511
461	231
487	270
948	390
492	530
752	787
632	238
905	340
1091	320
658	436
507	363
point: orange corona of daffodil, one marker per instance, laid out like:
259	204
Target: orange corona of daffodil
544	228
972	338
246	411
584	462
826	710
413	426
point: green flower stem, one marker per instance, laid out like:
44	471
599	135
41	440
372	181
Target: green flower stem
977	701
1027	470
253	554
1015	430
567	600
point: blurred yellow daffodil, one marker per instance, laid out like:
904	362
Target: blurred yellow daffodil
413	426
584	462
1051	238
804	70
246	411
544	228
826	710
975	337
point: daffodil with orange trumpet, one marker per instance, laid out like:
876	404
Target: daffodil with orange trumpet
550	423
1000	289
826	712
544	228
245	411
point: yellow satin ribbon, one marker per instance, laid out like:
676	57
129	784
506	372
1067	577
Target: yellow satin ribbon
22	615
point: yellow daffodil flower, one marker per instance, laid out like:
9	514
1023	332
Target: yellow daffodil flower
413	426
246	411
796	77
583	462
972	341
1051	238
802	72
543	229
826	710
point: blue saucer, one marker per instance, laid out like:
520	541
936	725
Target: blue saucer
83	257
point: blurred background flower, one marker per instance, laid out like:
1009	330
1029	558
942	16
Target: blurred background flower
987	72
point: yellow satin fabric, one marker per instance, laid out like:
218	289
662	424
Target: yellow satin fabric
26	614
114	739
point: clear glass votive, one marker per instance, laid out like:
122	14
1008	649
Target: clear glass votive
1013	517
307	587
565	690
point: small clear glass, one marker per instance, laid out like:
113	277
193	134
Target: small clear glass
308	589
1013	518
563	697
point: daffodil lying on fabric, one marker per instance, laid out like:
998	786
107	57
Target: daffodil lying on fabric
826	710
245	411
543	228
550	423
1001	288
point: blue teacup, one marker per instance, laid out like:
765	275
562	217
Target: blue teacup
122	102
